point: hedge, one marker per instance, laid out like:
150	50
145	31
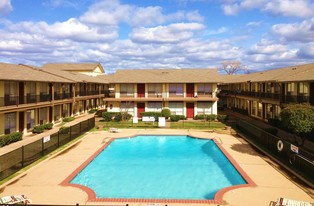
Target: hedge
115	116
10	138
207	117
68	119
222	117
175	118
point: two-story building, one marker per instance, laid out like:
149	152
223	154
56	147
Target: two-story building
264	94
184	91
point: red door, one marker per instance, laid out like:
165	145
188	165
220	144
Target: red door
140	90
190	90
189	110
140	108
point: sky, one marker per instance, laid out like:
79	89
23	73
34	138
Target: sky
150	34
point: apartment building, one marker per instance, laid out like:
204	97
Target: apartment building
184	91
264	94
30	96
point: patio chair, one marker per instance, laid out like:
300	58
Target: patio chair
113	130
288	202
15	199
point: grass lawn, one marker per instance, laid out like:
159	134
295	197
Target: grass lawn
186	124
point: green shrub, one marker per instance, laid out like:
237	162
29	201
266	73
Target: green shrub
271	130
175	118
207	117
211	117
92	111
68	119
38	129
48	126
151	114
64	130
166	113
115	116
222	117
10	138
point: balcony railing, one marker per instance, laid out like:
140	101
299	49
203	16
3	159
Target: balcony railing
8	100
88	93
58	96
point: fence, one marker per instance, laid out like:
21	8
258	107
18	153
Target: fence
295	158
17	159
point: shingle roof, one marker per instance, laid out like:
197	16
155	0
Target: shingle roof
19	72
165	76
74	66
303	72
71	72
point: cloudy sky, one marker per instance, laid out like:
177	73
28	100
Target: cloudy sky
138	34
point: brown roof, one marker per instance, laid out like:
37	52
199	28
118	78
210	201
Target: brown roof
165	76
71	74
74	66
18	72
303	72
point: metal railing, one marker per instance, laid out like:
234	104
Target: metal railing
295	158
27	154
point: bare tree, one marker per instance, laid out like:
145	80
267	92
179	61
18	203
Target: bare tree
231	67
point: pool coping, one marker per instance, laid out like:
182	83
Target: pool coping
218	198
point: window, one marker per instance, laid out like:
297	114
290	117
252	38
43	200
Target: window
154	89
204	108
127	107
204	89
154	107
176	89
290	87
10	88
30	118
57	112
43	115
176	108
65	110
127	90
31	92
303	88
10	122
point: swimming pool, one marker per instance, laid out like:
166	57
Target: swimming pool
159	167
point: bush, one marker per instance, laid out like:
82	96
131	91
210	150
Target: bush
64	130
211	117
48	126
10	138
271	130
175	118
92	111
68	119
38	129
115	116
207	117
222	118
151	114
166	113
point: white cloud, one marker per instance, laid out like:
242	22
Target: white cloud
165	34
301	32
5	7
267	47
297	8
221	30
306	51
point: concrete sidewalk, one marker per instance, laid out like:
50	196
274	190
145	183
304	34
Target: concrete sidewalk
42	182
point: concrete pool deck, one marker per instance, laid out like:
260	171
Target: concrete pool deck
41	183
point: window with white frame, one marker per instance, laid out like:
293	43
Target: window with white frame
127	107
204	89
176	108
154	106
10	122
204	108
176	89
127	89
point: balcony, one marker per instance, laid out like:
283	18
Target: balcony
9	100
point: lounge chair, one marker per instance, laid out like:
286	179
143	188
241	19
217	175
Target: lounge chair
15	199
113	130
288	202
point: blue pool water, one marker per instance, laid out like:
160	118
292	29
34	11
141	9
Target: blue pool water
159	167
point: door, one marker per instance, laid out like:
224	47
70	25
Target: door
21	121
140	90
21	93
190	110
140	108
190	90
